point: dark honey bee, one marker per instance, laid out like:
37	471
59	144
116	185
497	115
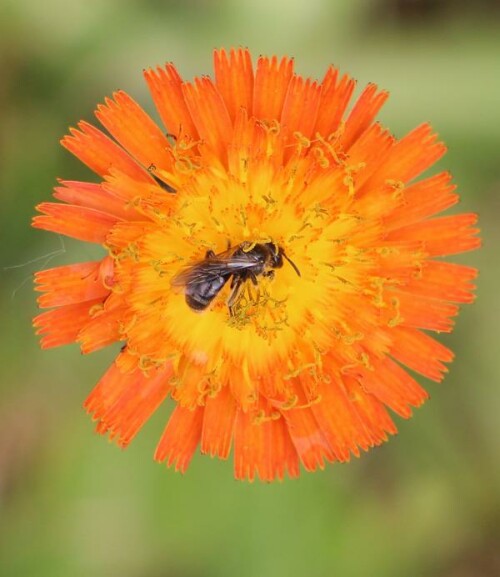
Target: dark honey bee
203	280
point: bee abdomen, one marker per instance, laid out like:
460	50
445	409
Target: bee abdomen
197	303
199	296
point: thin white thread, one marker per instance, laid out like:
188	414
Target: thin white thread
46	258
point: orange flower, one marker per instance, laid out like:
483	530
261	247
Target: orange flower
332	271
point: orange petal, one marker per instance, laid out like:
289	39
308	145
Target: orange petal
363	114
61	326
335	97
414	310
300	108
422	199
242	144
340	423
420	352
444	235
393	386
366	154
135	131
234	79
125	233
218	424
133	194
165	85
445	281
398	260
309	441
263	448
371	411
102	330
209	114
270	87
409	157
75	221
70	284
123	402
416	152
96	196
100	153
180	438
192	377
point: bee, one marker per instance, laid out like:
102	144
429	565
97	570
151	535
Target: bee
203	280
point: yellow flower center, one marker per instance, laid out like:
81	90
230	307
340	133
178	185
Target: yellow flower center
269	193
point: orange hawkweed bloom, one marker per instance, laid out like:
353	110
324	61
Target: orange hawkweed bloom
300	368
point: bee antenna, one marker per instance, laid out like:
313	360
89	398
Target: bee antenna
294	266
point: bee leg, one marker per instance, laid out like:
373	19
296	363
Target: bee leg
236	284
268	274
253	278
209	254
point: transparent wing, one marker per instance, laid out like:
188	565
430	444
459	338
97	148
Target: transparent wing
212	269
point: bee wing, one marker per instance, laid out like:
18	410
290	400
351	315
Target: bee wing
208	271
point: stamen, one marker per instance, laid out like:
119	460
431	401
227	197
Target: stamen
321	159
292	403
329	146
379	283
365	361
261	417
319	211
158	265
362	360
398	187
244	221
397	319
303	141
299	370
96	310
257	307
218	225
146	363
271	203
271	126
350	172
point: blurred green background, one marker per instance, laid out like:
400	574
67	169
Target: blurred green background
427	504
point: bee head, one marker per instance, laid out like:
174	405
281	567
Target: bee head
276	255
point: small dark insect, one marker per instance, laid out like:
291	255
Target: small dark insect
159	182
203	280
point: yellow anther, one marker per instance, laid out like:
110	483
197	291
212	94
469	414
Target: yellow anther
387	250
146	363
261	417
397	186
96	310
271	126
292	403
397	319
319	211
349	182
321	159
302	140
297	372
328	144
365	361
